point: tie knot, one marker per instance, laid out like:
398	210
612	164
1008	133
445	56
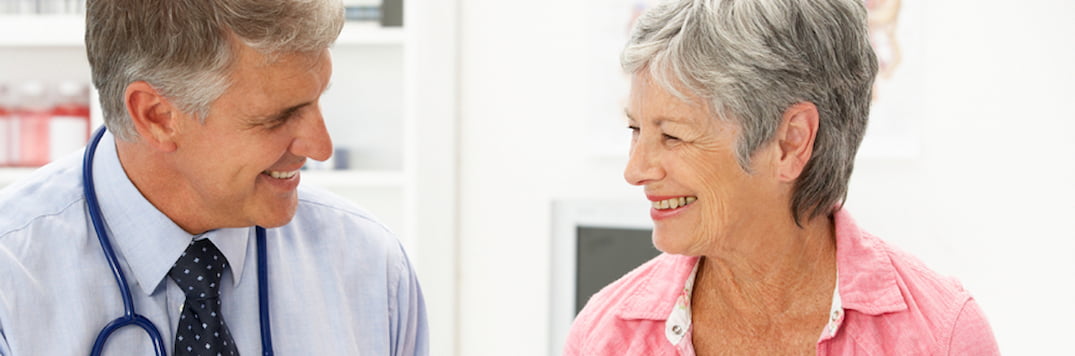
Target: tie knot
199	269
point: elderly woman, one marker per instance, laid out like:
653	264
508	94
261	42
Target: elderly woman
745	119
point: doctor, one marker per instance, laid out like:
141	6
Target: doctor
212	107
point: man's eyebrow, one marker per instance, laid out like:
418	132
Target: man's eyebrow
283	114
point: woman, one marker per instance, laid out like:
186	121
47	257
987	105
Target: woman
746	116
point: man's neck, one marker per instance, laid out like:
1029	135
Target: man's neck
159	184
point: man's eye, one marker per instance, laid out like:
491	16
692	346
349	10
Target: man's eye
670	137
281	119
275	123
633	128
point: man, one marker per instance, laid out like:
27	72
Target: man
212	108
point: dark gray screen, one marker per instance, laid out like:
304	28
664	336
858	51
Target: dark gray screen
603	255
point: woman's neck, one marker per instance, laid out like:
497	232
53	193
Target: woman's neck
781	271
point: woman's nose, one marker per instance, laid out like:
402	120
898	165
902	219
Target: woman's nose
643	164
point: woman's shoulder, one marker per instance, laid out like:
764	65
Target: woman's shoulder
659	279
873	271
644	295
919	279
894	301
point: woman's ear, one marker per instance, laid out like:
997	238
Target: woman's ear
795	138
152	115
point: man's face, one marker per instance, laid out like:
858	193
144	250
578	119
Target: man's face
241	167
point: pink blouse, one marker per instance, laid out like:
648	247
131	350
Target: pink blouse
888	303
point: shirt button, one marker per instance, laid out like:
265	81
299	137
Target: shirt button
677	330
836	315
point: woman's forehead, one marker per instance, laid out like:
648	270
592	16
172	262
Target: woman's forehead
651	101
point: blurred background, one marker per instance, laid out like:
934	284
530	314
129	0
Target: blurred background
489	135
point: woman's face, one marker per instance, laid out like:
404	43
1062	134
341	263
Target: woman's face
684	157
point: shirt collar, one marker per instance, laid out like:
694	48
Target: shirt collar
149	241
867	279
656	294
233	244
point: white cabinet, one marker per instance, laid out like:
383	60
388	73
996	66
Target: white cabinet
391	107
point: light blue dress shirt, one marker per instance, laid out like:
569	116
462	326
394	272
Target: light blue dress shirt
339	281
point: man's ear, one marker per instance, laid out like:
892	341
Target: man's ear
795	136
152	115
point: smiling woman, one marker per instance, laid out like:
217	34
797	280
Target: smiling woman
745	120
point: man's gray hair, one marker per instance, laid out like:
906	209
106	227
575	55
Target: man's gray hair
751	60
185	48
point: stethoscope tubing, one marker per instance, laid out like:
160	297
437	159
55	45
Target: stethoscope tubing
263	293
130	316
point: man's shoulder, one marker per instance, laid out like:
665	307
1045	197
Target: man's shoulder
335	218
45	192
315	200
345	235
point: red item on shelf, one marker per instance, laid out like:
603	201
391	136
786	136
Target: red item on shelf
7	136
69	126
31	124
37	127
33	131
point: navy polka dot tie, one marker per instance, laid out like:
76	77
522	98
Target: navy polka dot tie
201	329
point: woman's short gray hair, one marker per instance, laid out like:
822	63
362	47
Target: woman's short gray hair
185	48
751	60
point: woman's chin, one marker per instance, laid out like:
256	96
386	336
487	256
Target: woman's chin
672	244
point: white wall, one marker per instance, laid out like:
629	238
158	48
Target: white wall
989	196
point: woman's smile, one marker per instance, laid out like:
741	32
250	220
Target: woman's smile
665	207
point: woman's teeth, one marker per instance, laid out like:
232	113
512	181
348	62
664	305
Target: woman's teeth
673	203
280	175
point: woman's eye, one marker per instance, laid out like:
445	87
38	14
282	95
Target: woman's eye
670	137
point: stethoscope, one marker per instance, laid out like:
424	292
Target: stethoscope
130	317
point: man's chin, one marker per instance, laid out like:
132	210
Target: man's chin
277	217
269	224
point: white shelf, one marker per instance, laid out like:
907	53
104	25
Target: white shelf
42	30
370	34
353	178
69	31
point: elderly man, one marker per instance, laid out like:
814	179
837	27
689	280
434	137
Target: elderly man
184	229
